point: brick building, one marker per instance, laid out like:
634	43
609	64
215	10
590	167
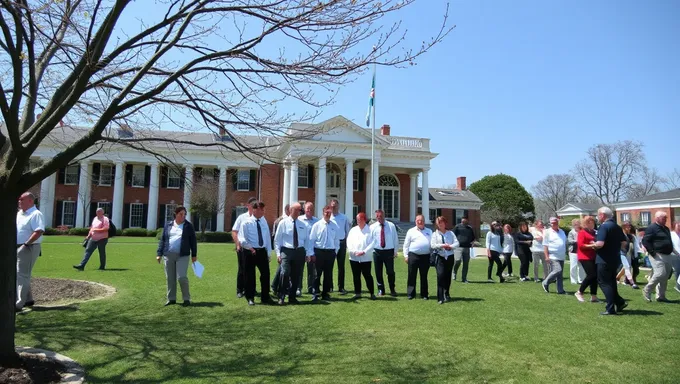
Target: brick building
641	211
326	160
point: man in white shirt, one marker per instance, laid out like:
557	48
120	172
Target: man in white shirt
324	237
360	248
277	276
537	252
675	238
254	241
30	227
344	226
417	255
309	219
293	248
240	272
385	250
554	250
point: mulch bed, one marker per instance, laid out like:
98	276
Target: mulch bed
33	369
46	291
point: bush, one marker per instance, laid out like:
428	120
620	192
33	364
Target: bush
151	233
135	232
79	231
119	232
55	232
214	237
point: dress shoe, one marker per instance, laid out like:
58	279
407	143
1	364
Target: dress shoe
186	303
621	307
250	302
18	310
293	301
326	297
29	304
170	302
393	294
356	297
426	298
79	267
440	302
267	301
373	297
343	291
663	300
447	298
605	313
239	295
315	299
411	297
281	302
101	268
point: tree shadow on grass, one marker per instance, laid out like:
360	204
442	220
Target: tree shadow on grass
115	269
472	299
206	304
641	312
56	308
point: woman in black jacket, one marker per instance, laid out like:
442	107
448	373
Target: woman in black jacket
523	240
176	244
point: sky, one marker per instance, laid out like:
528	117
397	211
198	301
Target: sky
526	87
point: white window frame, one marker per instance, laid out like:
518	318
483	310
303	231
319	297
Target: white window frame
208	224
459	218
102	182
173	175
241	209
73	212
355	180
333	177
135	175
73	172
141	217
243	176
303	174
102	204
625	216
355	211
649	218
169	212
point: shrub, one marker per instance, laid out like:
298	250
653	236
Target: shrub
151	233
55	232
119	232
135	232
79	231
214	237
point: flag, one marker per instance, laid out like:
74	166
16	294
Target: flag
371	102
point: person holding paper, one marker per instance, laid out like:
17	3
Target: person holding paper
176	244
444	243
254	240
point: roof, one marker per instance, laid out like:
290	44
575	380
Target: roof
584	207
443	194
668	195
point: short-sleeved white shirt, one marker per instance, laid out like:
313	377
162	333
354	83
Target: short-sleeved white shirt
28	222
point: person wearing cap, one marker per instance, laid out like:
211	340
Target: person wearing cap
241	270
555	250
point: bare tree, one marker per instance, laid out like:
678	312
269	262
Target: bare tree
673	179
192	64
555	191
543	212
205	199
649	181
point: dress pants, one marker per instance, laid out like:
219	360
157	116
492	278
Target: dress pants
444	268
675	262
495	259
176	268
507	262
240	273
384	257
461	256
359	269
417	264
606	278
539	258
292	264
276	281
556	274
661	268
591	277
325	258
26	258
89	250
524	261
576	272
342	255
259	260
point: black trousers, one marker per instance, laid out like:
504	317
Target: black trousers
259	260
635	265
606	278
524	261
341	256
465	260
292	264
384	257
240	272
276	281
495	258
325	258
359	269
444	269
591	277
417	264
507	262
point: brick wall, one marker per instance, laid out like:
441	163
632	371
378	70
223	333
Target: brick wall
404	196
271	192
635	215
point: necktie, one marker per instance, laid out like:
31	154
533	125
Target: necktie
382	235
259	233
295	236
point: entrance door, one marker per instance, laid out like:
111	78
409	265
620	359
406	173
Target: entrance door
388	196
334	188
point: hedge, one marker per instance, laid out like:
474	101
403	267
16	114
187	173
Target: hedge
135	232
214	237
79	231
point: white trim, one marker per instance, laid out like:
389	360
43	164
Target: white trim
238	180
110	204
178	177
63	212
101	173
72	166
670	203
132	181
142	225
453	205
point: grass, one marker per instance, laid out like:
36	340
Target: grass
495	333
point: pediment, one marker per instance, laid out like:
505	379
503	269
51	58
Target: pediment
340	129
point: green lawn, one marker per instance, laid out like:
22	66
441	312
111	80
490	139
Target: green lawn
500	333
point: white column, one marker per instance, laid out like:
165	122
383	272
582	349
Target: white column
188	184
293	181
320	188
118	195
370	212
375	182
83	202
47	200
426	197
286	187
152	215
413	197
349	187
222	196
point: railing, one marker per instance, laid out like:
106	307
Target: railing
411	143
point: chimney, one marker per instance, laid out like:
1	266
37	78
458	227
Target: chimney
461	183
223	131
385	130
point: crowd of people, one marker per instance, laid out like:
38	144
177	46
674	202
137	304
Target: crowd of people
602	258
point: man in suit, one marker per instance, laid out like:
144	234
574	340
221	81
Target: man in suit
277	276
385	251
240	273
254	240
293	248
609	242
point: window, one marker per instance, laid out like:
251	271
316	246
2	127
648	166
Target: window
645	218
241	209
68	213
138	172
105	175
243	183
170	212
625	217
208	223
106	206
355	180
460	213
333	176
174	180
355	212
71	175
433	215
303	177
136	215
32	164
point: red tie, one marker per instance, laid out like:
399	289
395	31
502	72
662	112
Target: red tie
382	235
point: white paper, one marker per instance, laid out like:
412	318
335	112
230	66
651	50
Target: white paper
472	253
198	269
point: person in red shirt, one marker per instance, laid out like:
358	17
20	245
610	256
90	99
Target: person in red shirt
585	250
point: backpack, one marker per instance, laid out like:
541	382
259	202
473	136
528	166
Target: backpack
112	229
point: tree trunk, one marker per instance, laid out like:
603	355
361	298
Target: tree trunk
8	277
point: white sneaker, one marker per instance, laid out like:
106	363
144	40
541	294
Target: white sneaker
579	297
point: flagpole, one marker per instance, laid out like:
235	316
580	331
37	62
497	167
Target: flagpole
373	169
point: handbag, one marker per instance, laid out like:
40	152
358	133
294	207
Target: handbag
85	242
